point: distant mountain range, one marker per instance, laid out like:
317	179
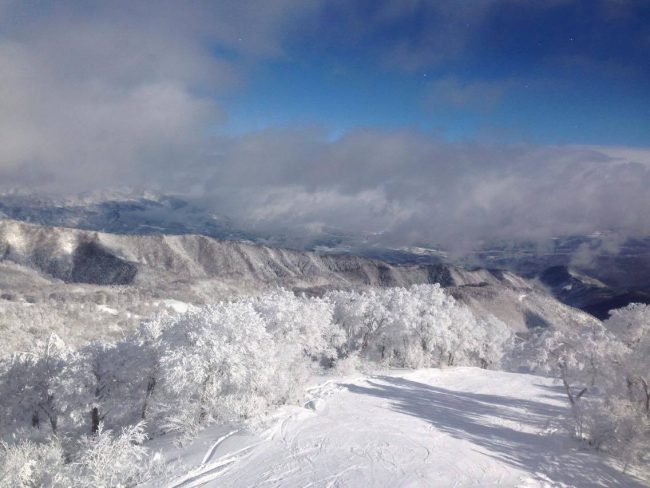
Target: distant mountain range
197	269
121	214
603	281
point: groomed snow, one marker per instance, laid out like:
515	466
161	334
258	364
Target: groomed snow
461	427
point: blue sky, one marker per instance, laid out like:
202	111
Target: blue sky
545	72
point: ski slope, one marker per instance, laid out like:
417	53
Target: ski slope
461	427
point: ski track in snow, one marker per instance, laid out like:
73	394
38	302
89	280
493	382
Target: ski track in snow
461	427
217	443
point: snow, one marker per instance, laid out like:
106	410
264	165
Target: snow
460	427
107	309
177	305
587	280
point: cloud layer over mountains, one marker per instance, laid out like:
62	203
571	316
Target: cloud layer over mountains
128	95
411	187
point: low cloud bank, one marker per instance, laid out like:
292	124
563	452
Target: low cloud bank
402	188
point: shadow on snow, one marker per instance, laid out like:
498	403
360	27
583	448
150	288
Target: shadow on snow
548	456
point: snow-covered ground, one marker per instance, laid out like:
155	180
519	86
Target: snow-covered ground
461	427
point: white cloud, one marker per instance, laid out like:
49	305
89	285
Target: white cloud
411	187
125	97
116	91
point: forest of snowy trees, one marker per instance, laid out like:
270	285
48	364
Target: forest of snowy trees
78	417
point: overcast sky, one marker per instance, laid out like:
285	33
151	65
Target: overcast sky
440	122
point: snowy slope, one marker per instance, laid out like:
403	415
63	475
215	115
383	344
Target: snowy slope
461	427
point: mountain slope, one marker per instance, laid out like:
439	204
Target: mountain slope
624	272
586	293
461	427
137	275
79	256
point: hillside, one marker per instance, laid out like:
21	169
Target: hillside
39	263
78	256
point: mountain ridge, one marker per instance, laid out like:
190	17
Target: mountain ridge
199	269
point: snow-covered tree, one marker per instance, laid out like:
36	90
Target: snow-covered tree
631	325
580	357
101	460
29	464
495	341
28	387
603	369
418	326
303	323
107	460
215	364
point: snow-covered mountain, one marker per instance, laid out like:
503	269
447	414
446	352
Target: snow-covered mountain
589	294
121	213
622	276
136	213
198	269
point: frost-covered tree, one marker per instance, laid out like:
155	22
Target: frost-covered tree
602	369
355	316
111	376
107	460
215	364
304	324
101	460
30	464
622	420
419	326
631	325
580	357
494	341
29	384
